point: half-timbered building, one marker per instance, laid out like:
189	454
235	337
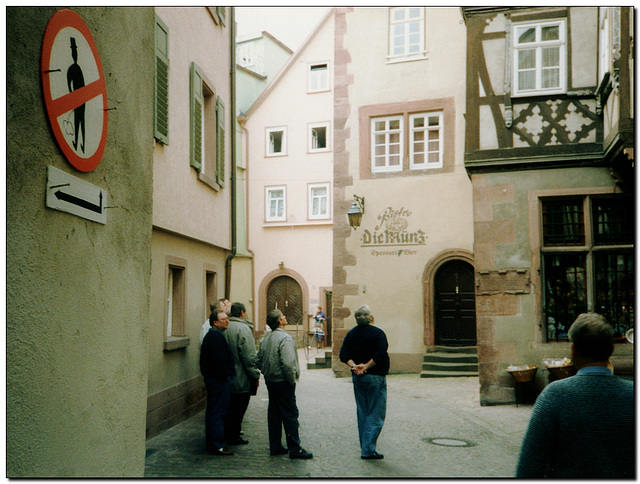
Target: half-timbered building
549	151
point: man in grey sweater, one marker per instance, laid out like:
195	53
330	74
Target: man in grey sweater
239	335
583	426
278	361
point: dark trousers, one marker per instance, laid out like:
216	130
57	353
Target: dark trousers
282	412
218	395
237	407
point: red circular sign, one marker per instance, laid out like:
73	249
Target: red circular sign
75	92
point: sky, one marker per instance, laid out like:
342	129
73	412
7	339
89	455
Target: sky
290	25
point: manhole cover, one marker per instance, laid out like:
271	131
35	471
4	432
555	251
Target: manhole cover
448	442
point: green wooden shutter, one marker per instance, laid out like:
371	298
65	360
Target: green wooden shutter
161	84
220	142
222	15
196	128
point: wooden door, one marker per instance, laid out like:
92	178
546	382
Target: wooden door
455	307
284	293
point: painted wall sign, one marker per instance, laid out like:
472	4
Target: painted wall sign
70	194
74	88
393	231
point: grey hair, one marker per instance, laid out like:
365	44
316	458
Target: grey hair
592	337
363	314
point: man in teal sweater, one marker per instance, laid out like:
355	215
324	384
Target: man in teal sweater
583	426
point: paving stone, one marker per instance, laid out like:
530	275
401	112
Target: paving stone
418	410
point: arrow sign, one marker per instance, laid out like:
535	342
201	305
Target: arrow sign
70	194
65	197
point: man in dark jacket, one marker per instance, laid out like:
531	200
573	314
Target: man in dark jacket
364	349
218	369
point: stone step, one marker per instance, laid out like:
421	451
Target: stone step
453	349
447	374
453	357
450	366
321	362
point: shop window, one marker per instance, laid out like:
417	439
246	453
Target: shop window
587	261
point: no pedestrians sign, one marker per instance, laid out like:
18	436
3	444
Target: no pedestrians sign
74	89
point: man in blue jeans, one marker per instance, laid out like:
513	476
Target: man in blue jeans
364	349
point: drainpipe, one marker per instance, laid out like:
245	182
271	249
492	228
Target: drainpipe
232	181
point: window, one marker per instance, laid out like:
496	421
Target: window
175	308
587	261
276	139
207	129
406	32
318	79
319	137
161	83
425	141
609	39
386	144
319	201
276	204
211	291
539	58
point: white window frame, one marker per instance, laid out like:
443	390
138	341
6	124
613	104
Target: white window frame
283	202
426	129
268	150
407	34
387	132
317	83
323	215
312	126
538	46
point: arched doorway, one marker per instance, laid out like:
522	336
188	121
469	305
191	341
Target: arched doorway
454	304
285	294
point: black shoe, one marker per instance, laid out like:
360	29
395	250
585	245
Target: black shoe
300	454
239	441
221	451
280	451
374	456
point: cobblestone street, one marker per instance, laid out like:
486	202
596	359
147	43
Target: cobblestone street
418	410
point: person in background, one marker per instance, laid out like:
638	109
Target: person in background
243	347
222	304
218	369
278	361
364	349
583	426
318	334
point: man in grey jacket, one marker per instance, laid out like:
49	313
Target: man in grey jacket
278	361
243	347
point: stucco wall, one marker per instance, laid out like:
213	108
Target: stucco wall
78	291
437	202
301	244
181	202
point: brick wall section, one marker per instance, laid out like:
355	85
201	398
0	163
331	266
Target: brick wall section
489	234
341	180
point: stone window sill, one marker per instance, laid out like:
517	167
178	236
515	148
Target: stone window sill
175	343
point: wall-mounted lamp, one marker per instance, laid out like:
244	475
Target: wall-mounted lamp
356	211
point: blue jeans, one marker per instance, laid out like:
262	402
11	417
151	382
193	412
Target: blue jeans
218	395
371	404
